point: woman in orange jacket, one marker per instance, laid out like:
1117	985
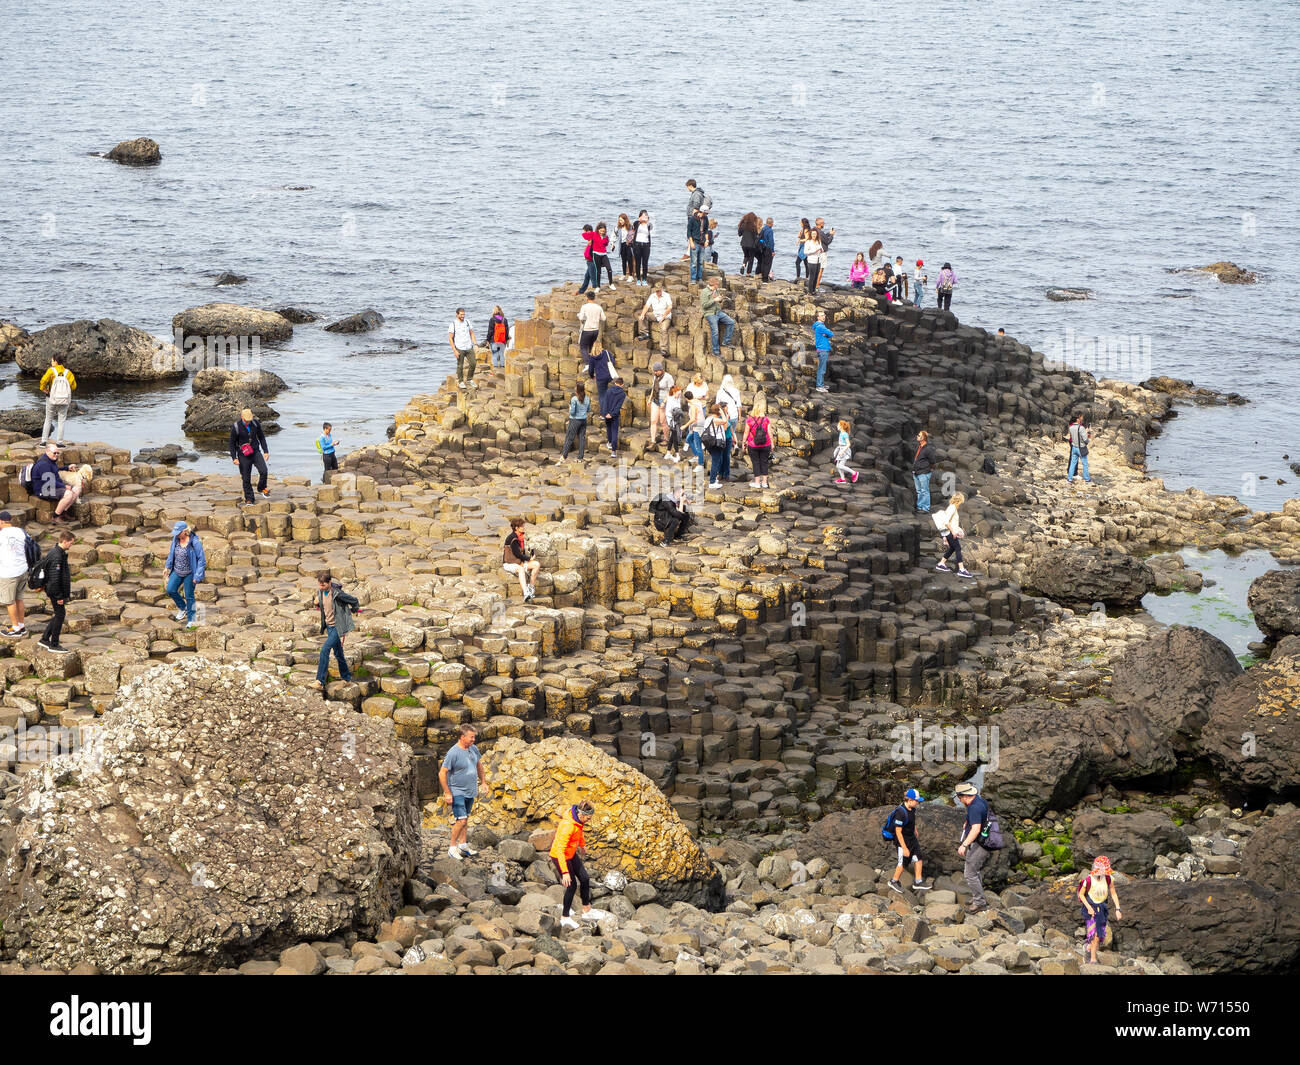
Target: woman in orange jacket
564	855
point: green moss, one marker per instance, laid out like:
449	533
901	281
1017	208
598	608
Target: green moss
407	700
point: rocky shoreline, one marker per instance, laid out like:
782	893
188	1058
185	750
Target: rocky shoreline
755	675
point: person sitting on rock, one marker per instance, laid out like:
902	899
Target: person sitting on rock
1095	893
44	481
519	560
659	306
670	517
75	483
566	855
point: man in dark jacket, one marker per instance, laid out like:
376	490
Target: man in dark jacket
601	367
922	467
611	407
246	439
46	483
58	586
766	250
336	608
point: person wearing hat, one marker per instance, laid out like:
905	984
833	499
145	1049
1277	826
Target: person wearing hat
566	853
977	815
903	820
246	439
1095	893
660	386
186	566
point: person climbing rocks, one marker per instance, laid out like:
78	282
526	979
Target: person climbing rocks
949	525
977	815
1096	890
186	566
246	440
1078	436
922	468
903	821
460	334
822	337
460	776
58	383
660	386
566	854
843	452
336	610
518	560
57	574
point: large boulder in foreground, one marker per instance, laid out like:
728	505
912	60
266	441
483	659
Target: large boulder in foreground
1172	677
1272	856
1080	575
1130	841
1253	731
106	350
232	320
635	829
139	151
220	815
1274	599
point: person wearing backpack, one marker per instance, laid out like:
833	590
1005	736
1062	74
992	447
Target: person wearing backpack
714	439
186	566
498	335
901	830
58	383
758	441
676	418
246	439
18	554
943	286
975	852
519	561
699	200
1078	435
54	576
1095	894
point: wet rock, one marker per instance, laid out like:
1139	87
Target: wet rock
141	151
1228	273
259	383
105	349
1272	854
167	455
1253	731
297	315
216	412
1080	575
1062	295
29	421
268	820
361	322
232	320
12	337
229	278
1274	598
1130	841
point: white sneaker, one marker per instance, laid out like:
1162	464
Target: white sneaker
473	384
823	390
460	384
612	287
467	850
568	922
595	915
453	852
180	615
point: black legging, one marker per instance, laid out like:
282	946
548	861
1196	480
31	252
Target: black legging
629	259
577	879
602	263
954	548
799	264
751	259
58	611
765	263
248	463
814	275
641	249
945	299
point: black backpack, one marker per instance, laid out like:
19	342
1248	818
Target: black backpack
31	549
713	437
761	438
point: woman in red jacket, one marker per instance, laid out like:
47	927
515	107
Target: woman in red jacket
564	856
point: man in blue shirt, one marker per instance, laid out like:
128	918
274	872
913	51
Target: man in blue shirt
461	774
325	445
766	250
977	814
822	337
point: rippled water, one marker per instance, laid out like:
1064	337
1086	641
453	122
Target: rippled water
452	152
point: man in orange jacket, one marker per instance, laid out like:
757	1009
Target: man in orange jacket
564	856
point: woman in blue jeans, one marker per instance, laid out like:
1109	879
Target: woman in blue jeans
922	467
186	566
720	453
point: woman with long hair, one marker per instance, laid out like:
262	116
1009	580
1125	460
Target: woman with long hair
623	230
943	286
812	249
758	441
600	255
859	272
642	230
800	257
747	230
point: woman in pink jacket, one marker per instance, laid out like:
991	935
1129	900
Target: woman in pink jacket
859	272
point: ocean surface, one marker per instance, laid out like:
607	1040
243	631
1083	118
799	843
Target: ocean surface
417	157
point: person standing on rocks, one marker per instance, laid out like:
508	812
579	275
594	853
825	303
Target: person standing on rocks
498	334
696	421
659	306
642	231
900	279
801	254
710	240
697	236
717	442
588	279
567	849
14	565
660	385
75	483
601	368
460	334
977	815
748	229
611	409
579	412
58	383
919	280
1078	435
519	561
460	776
591	316
859	272
812	249
711	305
623	231
728	398
903	822
922	468
676	418
336	609
822	337
600	255
698	202
758	441
246	439
325	446
824	237
186	566
766	250
949	525
943	286
1095	893
844	452
58	586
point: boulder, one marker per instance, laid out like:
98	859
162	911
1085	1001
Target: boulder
1130	841
1202	397
29	421
104	350
1171	679
1274	599
1220	925
1037	775
1272	855
1062	295
12	337
219	816
846	837
1228	273
232	320
167	455
635	830
1253	730
216	412
1083	574
297	315
362	322
141	151
226	277
217	380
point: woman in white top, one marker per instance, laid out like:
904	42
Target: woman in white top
623	234
816	255
949	524
696	418
642	230
728	398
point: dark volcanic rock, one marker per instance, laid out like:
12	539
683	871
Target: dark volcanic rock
12	337
228	278
1062	295
297	315
1274	599
167	455
142	151
361	322
104	349
1171	678
1130	841
1228	273
260	383
1082	575
1272	854
231	319
26	420
1202	397
1253	731
216	412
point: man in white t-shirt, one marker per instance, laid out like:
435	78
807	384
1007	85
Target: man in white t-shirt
590	316
13	574
660	307
463	342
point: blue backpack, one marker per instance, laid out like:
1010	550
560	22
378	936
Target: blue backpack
887	829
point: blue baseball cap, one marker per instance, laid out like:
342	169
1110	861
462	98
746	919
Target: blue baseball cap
912	793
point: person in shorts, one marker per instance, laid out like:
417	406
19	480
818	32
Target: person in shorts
903	820
461	774
13	574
